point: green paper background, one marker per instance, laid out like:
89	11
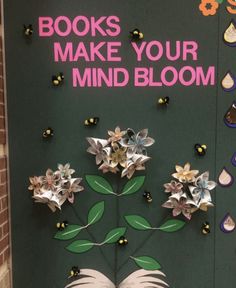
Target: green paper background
194	115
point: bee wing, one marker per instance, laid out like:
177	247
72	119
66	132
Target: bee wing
91	279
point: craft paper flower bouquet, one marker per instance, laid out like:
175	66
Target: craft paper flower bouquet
123	150
189	193
56	187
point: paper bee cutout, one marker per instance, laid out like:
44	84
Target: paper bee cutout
47	133
28	30
136	35
74	271
122	241
62	225
58	79
164	101
91	121
200	149
205	228
147	196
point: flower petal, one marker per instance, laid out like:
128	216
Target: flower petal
148	141
142	134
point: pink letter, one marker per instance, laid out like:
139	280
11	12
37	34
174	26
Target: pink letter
77	80
68	26
139	49
210	76
149	47
95	25
190	47
192	75
66	55
163	76
45	23
141	74
81	52
85	30
102	76
117	77
111	49
94	51
116	27
151	79
177	51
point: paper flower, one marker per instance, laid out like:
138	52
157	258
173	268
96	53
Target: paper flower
116	135
208	7
56	187
173	187
137	143
201	190
50	181
136	163
96	148
124	151
189	194
65	171
70	187
184	174
35	184
182	205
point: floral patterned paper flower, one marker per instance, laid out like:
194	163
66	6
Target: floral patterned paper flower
50	181
35	184
118	156
56	187
201	190
70	187
173	187
96	148
182	205
65	171
116	135
184	174
208	7
107	168
136	163
137	143
123	151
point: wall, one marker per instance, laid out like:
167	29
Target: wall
4	216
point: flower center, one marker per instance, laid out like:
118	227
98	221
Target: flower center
208	6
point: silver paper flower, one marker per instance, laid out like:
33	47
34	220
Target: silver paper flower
137	143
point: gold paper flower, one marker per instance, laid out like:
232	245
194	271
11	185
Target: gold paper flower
184	174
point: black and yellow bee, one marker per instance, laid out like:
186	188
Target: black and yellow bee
74	271
62	225
148	197
58	79
28	30
205	228
47	133
200	149
122	241
164	101
136	34
91	121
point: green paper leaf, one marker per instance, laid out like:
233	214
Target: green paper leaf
172	225
138	222
114	235
80	246
96	212
99	184
147	263
133	185
220	1
68	233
